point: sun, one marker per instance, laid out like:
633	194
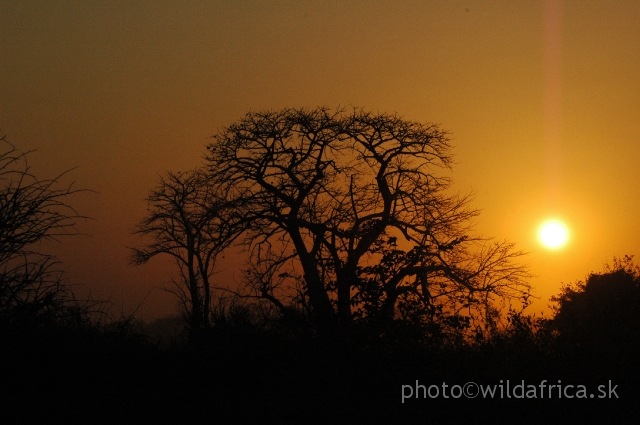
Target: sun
553	234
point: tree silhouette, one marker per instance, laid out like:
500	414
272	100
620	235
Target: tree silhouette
188	219
353	205
32	210
601	316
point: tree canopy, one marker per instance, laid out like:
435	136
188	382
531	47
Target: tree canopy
354	207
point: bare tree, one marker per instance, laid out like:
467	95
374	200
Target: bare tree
329	188
32	210
189	220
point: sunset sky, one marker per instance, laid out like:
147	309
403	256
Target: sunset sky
542	99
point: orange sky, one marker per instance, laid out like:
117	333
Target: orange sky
542	99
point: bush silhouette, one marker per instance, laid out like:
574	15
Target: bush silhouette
601	317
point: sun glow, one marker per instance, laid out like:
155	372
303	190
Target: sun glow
553	234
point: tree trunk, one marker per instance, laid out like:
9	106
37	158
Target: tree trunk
323	313
196	304
345	282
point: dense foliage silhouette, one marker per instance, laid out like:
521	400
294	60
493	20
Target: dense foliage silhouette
600	316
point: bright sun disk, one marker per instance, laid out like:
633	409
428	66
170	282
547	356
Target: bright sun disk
553	234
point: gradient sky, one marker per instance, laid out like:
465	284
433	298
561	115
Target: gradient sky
542	99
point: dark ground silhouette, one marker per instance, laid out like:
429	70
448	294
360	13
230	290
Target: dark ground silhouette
238	371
